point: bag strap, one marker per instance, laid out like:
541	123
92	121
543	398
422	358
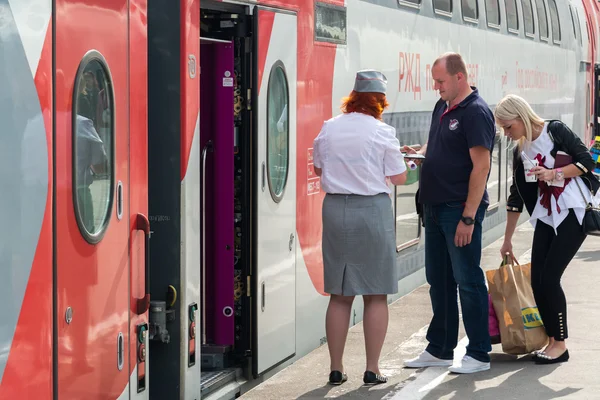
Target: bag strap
591	203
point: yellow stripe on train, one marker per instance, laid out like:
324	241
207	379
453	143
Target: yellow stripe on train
531	318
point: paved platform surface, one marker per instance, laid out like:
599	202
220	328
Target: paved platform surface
510	377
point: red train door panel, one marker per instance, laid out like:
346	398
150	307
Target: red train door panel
92	199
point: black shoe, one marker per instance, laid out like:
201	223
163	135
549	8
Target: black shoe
536	354
371	378
337	378
544	359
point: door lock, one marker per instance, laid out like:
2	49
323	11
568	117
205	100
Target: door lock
291	244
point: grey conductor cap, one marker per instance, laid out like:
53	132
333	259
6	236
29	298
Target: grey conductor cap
369	80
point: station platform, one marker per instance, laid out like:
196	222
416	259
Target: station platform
510	377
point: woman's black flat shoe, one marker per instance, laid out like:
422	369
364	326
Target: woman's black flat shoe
371	378
544	359
337	378
536	354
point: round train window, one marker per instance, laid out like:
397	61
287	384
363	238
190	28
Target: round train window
277	131
93	146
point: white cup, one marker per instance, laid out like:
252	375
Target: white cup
529	164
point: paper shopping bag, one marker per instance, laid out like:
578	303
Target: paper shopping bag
521	327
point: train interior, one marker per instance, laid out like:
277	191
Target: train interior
226	192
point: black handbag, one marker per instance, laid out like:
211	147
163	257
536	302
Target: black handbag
591	219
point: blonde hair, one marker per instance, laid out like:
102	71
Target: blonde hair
513	107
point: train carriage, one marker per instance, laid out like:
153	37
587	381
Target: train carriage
164	219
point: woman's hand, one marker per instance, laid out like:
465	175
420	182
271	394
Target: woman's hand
507	249
543	174
410	150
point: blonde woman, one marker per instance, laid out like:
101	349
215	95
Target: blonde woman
551	193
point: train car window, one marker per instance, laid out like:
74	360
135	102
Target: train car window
407	220
443	6
510	146
587	30
410	3
93	146
528	17
493	185
469	10
555	21
542	18
512	18
330	23
278	137
492	13
579	27
573	21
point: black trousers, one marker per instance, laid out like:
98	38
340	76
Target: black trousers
550	255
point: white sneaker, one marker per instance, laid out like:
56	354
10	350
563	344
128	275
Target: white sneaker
425	359
468	365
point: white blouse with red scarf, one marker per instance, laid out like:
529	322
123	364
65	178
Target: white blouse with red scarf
554	202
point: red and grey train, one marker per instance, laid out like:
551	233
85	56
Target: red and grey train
162	216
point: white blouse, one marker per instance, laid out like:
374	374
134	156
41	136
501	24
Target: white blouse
570	198
356	153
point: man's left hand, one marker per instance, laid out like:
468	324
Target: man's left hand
463	235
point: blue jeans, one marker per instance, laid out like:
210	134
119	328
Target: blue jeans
447	267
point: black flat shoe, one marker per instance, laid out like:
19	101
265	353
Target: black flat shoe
371	378
536	354
544	359
337	378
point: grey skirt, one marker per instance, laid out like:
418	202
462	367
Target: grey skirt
359	250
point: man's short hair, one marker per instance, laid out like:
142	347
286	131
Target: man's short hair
454	63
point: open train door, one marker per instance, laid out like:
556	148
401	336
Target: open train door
274	275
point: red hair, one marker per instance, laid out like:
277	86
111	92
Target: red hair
369	103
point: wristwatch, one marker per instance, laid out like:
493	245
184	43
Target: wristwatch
560	175
467	220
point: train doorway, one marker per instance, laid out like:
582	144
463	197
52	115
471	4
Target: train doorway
225	180
248	74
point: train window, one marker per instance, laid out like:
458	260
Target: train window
93	146
278	136
512	18
542	18
528	17
510	148
443	6
587	30
410	3
330	23
573	21
407	220
579	27
469	10
493	185
555	22
492	12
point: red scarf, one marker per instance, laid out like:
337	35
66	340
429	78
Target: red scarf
547	191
